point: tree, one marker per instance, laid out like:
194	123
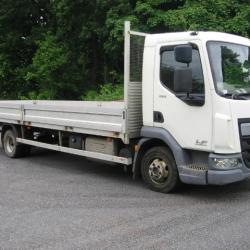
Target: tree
21	23
61	48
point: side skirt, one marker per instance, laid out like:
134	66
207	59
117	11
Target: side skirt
94	155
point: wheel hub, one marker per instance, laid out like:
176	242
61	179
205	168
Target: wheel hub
10	145
158	171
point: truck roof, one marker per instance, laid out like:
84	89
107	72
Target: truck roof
204	36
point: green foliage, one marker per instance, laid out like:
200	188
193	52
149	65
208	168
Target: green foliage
107	92
62	48
233	71
47	68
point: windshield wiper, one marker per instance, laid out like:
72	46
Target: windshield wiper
237	96
241	96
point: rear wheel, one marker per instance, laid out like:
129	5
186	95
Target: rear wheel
11	148
159	170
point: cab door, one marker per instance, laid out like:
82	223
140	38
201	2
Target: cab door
186	116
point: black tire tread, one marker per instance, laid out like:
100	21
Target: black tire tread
174	182
21	150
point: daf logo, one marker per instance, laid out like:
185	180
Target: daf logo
162	96
201	142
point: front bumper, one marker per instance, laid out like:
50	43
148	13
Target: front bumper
211	176
215	177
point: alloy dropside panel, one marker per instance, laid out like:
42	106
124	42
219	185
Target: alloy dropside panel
97	118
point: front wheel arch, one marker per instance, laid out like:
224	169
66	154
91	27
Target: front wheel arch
155	136
145	145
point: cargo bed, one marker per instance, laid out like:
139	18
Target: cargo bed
96	118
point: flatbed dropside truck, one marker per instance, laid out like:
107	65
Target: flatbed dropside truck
185	116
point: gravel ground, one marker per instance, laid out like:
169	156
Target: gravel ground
58	201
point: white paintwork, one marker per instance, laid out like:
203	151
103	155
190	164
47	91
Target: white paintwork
226	128
155	39
186	123
148	85
215	122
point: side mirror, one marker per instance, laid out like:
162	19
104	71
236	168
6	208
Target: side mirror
183	80
183	53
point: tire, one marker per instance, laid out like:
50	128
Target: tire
11	148
159	170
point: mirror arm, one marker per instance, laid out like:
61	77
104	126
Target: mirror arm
191	100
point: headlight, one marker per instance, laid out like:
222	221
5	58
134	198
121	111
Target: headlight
226	163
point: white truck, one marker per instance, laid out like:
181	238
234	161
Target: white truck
185	115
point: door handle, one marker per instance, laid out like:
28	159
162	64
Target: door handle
158	117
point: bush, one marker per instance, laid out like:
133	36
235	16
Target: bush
106	92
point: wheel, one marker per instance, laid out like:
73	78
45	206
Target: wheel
11	148
159	170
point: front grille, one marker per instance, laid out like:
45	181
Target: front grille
245	146
244	128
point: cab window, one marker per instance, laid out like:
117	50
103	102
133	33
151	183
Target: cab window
168	65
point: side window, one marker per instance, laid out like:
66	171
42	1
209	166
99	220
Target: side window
168	64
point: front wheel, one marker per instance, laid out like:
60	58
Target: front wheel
11	148
159	170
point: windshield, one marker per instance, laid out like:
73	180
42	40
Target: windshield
231	68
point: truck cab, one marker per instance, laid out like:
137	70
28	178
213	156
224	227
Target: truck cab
196	98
